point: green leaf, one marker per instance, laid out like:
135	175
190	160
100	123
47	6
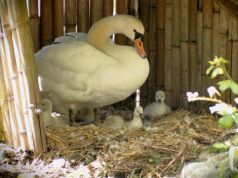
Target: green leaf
235	118
214	73
234	87
223	167
226	121
224	85
209	70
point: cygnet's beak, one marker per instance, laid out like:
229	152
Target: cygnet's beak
140	48
141	116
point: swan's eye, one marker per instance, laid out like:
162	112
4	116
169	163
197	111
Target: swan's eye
138	35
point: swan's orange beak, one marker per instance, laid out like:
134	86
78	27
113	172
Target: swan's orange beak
140	48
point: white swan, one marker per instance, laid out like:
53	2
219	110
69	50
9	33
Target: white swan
48	119
95	72
117	122
157	108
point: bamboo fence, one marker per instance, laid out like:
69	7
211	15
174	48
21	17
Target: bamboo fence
19	87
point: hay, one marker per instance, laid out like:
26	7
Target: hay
161	149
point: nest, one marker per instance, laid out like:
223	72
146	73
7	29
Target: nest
157	150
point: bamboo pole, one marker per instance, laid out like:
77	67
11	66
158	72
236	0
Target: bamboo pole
107	7
58	18
29	72
46	22
6	120
70	15
34	23
83	15
22	92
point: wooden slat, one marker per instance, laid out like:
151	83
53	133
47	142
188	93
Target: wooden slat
58	18
168	49
176	23
216	34
83	15
176	76
96	11
160	62
46	22
199	50
107	7
70	15
224	21
193	70
206	56
161	14
161	43
234	64
207	13
184	20
153	50
192	20
34	23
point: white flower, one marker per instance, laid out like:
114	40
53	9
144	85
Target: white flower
212	91
222	107
236	100
192	96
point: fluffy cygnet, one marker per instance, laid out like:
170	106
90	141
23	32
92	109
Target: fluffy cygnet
50	120
136	122
117	122
157	108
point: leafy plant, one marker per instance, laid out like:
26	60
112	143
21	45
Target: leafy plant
228	113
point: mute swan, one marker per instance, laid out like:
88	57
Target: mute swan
157	108
96	72
117	122
48	119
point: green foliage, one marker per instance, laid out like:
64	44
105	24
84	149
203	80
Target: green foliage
223	167
219	148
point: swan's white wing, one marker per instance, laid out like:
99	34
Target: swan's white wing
70	66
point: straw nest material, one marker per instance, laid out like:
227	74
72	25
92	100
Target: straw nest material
161	149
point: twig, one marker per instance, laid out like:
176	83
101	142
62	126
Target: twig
173	160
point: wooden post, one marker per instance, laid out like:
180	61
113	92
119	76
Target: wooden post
18	8
83	15
70	15
34	23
